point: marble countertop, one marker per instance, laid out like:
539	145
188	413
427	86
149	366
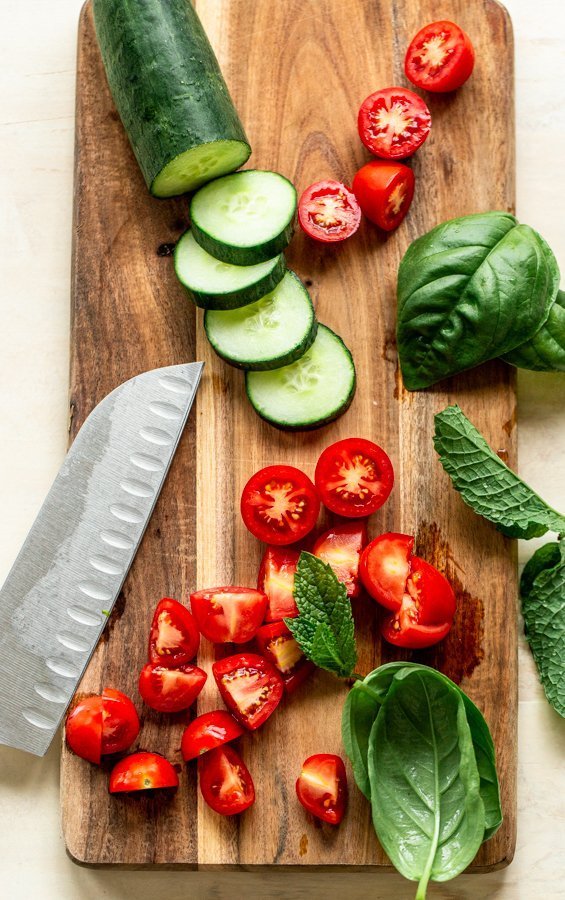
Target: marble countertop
37	72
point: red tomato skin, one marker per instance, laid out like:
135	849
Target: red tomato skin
342	454
252	668
154	680
297	670
419	118
331	808
142	771
120	722
276	579
252	500
375	185
214	622
341	547
208	731
214	769
83	729
414	637
172	614
322	192
387	588
430	583
450	77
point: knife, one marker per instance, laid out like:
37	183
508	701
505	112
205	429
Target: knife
61	589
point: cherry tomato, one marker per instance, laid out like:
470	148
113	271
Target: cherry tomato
170	690
250	687
328	212
322	787
279	505
276	579
277	643
440	57
228	613
100	725
142	772
174	637
208	731
384	191
83	729
393	123
120	722
384	568
354	477
341	547
225	782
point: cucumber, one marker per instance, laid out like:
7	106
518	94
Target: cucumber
216	285
273	332
245	218
169	92
309	393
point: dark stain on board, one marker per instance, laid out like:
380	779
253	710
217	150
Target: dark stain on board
166	249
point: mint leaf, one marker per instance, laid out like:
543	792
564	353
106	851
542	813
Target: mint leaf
324	629
486	484
543	607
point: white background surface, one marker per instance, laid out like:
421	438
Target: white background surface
37	71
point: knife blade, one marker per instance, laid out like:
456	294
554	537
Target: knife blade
66	578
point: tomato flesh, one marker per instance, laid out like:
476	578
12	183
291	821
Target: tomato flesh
120	722
227	614
142	772
225	782
170	690
341	547
276	579
208	731
279	505
322	787
83	729
384	568
328	212
354	477
277	644
440	57
174	637
384	191
250	687
393	123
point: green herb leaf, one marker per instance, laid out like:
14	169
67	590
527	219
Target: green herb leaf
486	484
324	629
545	351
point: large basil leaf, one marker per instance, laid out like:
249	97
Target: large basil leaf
545	351
470	290
427	808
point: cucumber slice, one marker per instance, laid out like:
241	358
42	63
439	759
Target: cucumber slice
312	391
217	285
244	218
273	332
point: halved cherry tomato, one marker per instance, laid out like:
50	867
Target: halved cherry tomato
341	547
393	123
322	787
277	643
120	722
328	212
208	731
440	57
102	724
250	687
225	782
279	505
228	613
384	568
174	637
142	772
354	477
384	191
276	579
83	729
170	690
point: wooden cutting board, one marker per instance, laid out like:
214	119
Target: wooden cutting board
298	71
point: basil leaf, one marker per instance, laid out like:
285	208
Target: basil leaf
545	351
486	484
469	290
427	808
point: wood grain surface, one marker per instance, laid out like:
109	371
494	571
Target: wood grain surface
298	72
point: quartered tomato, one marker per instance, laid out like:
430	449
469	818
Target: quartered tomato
384	191
83	729
225	782
276	579
393	123
341	548
120	722
170	690
328	212
322	787
354	477
174	637
440	58
279	505
384	568
250	687
142	772
208	731
228	613
100	725
277	643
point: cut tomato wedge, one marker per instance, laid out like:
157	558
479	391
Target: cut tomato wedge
341	547
277	643
322	787
250	687
102	725
279	505
328	212
354	477
174	637
120	722
208	731
83	728
384	568
393	123
227	614
142	772
440	57
384	191
225	782
276	579
170	690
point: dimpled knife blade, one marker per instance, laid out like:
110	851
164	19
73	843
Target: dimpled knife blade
56	599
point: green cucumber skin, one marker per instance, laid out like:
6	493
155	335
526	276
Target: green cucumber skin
242	297
164	79
243	256
277	362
